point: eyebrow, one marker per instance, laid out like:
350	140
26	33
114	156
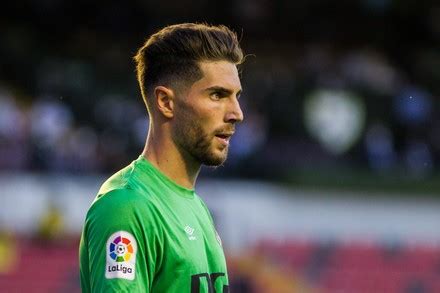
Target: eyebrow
223	90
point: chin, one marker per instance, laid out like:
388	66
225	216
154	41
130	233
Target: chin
214	160
214	163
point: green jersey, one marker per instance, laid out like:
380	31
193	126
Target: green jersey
145	233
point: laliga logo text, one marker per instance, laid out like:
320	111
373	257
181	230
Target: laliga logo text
119	268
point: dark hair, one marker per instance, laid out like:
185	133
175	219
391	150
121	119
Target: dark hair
171	55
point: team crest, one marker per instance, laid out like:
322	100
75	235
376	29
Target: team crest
121	252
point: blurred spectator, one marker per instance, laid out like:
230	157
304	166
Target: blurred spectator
14	146
50	121
413	106
379	145
50	228
370	70
418	158
8	252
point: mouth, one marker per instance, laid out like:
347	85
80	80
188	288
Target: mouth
224	137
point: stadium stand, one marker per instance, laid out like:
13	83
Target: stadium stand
43	267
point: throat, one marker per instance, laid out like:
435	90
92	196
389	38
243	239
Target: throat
180	170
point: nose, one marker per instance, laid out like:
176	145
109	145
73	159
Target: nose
234	113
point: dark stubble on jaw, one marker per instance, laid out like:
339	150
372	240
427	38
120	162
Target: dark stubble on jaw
191	137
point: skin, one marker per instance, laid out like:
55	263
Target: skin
192	126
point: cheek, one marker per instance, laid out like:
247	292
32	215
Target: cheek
210	115
190	126
206	115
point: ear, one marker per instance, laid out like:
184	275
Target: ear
164	101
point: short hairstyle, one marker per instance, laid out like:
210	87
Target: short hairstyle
170	57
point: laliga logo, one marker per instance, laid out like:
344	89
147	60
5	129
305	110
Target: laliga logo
121	256
121	249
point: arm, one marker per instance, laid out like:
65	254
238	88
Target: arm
119	246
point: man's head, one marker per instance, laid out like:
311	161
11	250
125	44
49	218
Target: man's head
171	56
188	78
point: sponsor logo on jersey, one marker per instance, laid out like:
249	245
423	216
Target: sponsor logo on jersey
190	231
121	251
209	280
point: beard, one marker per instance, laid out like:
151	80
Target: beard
190	136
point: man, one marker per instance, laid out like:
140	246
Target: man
147	230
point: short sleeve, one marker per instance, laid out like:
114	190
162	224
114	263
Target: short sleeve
120	245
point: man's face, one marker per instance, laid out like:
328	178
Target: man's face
206	113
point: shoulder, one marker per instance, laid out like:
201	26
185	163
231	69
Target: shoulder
119	180
121	210
124	187
124	200
122	203
117	198
205	208
133	180
201	202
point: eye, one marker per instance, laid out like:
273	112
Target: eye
215	96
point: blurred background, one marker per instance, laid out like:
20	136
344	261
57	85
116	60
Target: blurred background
332	184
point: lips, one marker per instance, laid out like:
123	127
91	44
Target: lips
224	137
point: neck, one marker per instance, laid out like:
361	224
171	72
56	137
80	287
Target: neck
163	153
